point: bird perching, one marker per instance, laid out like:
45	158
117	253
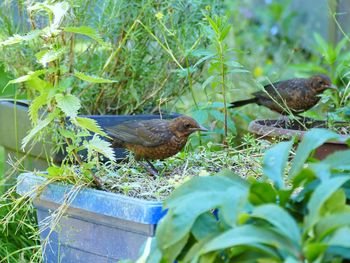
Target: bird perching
155	139
290	96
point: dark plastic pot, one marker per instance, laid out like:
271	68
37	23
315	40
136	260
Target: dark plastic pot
278	129
98	226
15	124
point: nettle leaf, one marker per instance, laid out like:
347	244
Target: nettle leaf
311	140
275	161
280	219
24	78
35	106
86	31
90	125
58	10
37	128
69	104
92	79
49	55
320	195
15	39
98	145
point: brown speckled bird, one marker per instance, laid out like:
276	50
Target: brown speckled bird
298	95
153	139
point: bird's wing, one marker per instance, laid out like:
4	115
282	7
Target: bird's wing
280	89
146	133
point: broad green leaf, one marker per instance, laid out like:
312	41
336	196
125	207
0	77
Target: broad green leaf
280	219
48	55
90	125
18	39
275	161
330	223
192	199
92	79
314	250
251	236
86	31
69	104
24	78
320	196
180	219
338	160
194	250
205	225
35	106
341	238
170	254
262	193
98	145
37	128
311	140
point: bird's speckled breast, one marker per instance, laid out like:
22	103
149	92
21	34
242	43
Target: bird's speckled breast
160	152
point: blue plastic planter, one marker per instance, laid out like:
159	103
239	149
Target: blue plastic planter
98	227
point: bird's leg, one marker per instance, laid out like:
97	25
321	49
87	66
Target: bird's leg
150	168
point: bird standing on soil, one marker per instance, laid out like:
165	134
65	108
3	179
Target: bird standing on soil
153	139
290	96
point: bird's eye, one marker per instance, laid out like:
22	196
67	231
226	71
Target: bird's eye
187	125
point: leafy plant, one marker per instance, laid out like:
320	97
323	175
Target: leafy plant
295	213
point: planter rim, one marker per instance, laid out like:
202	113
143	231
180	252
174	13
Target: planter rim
257	127
93	200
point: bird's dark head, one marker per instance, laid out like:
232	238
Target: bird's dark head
183	126
320	83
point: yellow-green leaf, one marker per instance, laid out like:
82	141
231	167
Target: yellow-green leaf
90	125
69	104
92	79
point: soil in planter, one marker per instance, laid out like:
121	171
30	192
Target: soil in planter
131	179
306	124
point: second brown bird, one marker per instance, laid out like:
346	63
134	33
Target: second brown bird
292	95
153	139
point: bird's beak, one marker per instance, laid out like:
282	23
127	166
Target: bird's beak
333	87
201	128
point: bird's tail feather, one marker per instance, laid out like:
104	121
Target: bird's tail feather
242	102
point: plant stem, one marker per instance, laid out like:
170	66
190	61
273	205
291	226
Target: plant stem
223	87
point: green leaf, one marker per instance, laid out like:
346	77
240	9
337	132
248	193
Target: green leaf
89	124
330	223
340	238
35	106
98	145
49	55
281	219
86	31
205	225
320	195
275	161
37	128
247	235
192	199
338	160
18	39
262	193
24	78
69	104
311	140
92	79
